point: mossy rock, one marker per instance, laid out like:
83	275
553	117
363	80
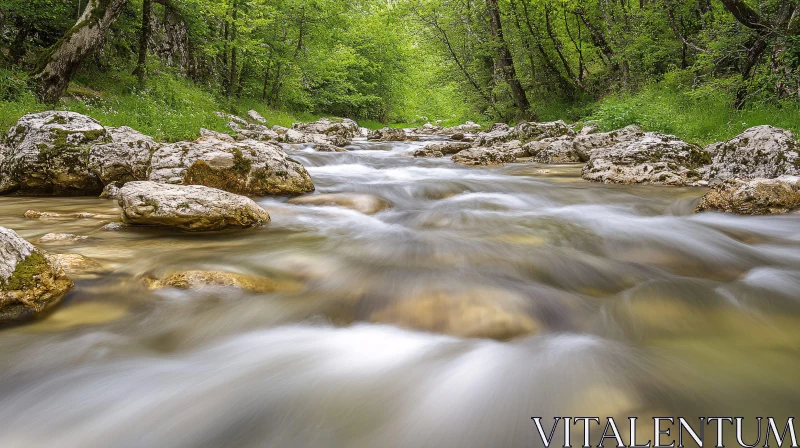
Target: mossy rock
29	282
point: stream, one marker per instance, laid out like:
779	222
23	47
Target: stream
639	308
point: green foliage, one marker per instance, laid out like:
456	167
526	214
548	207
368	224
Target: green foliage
703	115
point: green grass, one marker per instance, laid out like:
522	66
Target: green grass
702	115
171	108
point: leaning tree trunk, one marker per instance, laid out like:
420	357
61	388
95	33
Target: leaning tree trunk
62	60
505	62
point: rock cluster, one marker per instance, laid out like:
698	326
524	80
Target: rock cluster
753	196
248	167
388	135
66	153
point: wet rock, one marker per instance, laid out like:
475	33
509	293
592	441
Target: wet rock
188	207
61	238
428	152
475	313
255	116
759	152
552	150
364	203
388	135
457	136
47	154
442	149
247	167
29	283
327	147
111	191
652	158
583	144
125	158
204	279
754	196
483	157
114	226
75	264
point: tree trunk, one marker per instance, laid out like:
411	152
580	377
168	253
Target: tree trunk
504	60
144	36
234	51
62	60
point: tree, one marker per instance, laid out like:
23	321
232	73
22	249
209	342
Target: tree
59	63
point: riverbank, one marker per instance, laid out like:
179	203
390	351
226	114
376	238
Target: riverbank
172	108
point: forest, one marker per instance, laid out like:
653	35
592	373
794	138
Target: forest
701	69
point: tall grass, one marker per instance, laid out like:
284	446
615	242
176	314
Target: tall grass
702	115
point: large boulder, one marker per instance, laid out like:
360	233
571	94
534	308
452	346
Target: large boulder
652	158
753	196
527	131
47	153
483	157
255	116
340	131
524	132
125	158
187	207
29	282
553	150
388	135
759	152
584	143
246	167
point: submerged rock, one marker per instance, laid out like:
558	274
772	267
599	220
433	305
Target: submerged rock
61	238
483	157
388	135
759	152
47	153
361	202
187	207
204	279
76	264
246	167
35	214
652	158
29	283
476	313
327	147
753	197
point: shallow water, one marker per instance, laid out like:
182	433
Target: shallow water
640	307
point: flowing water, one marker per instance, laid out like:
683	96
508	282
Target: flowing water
634	306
